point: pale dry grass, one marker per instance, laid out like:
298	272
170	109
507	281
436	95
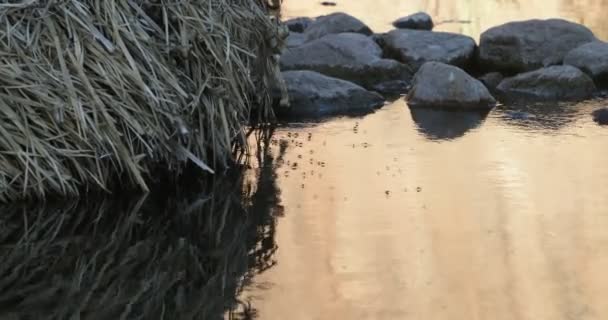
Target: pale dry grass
99	93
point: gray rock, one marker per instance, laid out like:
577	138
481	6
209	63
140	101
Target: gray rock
298	25
295	40
555	83
335	23
529	45
312	94
601	116
416	47
491	80
592	58
348	56
438	85
418	21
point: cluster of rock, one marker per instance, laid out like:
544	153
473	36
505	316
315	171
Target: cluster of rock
335	64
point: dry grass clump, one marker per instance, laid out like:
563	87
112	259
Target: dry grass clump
101	92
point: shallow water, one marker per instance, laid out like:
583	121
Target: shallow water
406	214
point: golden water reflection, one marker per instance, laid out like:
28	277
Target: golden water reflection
384	219
482	14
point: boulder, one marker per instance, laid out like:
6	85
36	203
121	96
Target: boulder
348	56
416	47
601	116
592	58
555	83
438	85
294	40
530	45
418	21
491	80
298	25
312	94
335	23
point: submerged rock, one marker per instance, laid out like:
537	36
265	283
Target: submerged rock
418	21
592	58
491	80
438	85
415	47
338	22
529	45
601	116
556	83
348	56
312	94
298	25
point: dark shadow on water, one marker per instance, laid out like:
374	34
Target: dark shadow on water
439	125
183	252
547	117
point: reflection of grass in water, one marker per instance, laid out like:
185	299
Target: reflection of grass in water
182	255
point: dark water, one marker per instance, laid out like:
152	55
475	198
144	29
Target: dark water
183	252
431	215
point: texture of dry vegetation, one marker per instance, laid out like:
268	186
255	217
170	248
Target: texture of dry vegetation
95	93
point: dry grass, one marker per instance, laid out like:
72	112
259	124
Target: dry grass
95	93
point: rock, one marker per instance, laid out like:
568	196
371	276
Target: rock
295	40
530	45
298	25
335	23
392	88
556	83
418	21
438	85
601	116
312	94
415	47
444	124
491	80
348	56
592	58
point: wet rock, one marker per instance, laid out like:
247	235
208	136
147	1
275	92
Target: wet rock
418	21
298	25
348	56
556	83
295	40
529	45
335	23
592	58
392	88
438	85
491	80
601	116
415	47
312	94
445	124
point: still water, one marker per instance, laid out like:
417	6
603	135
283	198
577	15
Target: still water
427	215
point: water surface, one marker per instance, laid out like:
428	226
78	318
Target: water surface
407	214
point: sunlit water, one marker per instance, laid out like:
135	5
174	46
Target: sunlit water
426	215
